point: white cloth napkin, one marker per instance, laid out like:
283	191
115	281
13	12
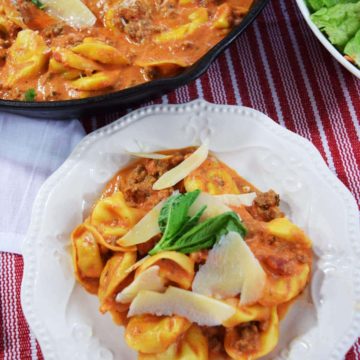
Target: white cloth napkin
30	150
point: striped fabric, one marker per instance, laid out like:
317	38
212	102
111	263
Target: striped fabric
277	67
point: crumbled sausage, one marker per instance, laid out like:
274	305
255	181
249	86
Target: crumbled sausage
265	206
248	339
136	19
137	187
215	336
267	199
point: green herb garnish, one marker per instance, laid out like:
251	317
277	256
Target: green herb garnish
174	215
38	4
184	234
30	95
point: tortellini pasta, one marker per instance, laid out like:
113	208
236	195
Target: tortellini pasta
98	81
155	297
72	60
26	58
113	279
151	334
279	290
114	218
174	267
252	340
105	46
212	177
222	18
245	314
87	259
193	345
82	65
99	51
197	18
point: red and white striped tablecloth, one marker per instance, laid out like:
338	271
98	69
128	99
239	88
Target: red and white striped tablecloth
277	67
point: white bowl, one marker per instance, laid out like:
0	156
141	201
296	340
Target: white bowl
324	40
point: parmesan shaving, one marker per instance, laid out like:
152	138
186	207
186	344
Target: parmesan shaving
145	229
237	199
73	12
147	280
148	226
214	206
154	156
230	269
197	308
179	172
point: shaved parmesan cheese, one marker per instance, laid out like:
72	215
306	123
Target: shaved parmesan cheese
197	308
231	268
182	170
145	229
148	226
214	206
147	280
237	200
73	12
154	156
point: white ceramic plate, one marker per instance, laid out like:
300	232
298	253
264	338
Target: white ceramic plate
324	322
323	39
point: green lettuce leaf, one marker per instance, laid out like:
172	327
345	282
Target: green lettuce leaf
339	22
352	48
318	4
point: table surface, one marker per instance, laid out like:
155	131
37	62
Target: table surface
277	67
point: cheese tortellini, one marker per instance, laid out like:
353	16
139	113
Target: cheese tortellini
212	177
174	267
157	298
151	334
26	58
193	345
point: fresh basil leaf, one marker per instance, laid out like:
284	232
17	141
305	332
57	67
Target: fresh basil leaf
204	235
165	212
191	222
173	217
208	232
193	248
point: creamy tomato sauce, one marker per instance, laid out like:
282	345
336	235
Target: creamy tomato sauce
132	42
282	249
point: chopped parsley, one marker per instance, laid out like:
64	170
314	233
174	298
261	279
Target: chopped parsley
30	95
38	4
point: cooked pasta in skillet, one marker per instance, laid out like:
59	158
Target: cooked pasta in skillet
122	43
192	259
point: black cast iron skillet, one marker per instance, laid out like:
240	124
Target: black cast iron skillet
121	99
